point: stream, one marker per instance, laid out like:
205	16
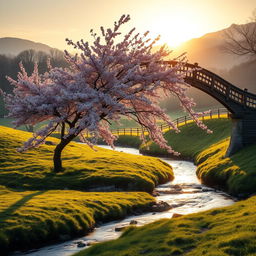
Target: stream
185	194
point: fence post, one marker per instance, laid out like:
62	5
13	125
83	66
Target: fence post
161	127
130	131
137	131
218	113
124	131
185	119
210	114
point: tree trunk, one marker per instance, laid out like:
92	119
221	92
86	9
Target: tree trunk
57	153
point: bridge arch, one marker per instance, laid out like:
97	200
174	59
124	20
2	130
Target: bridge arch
241	103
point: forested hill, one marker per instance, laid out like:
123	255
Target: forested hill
14	46
9	66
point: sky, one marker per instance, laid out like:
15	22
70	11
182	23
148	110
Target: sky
51	21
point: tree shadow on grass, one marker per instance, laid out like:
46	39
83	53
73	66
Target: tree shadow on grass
11	209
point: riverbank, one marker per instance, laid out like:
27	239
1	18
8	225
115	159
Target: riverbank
38	206
32	219
219	232
194	140
183	195
158	232
84	168
235	175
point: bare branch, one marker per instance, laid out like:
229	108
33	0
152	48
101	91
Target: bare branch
241	39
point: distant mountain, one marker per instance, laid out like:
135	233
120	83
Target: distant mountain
243	75
208	51
13	46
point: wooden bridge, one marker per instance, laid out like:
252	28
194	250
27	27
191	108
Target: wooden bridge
240	103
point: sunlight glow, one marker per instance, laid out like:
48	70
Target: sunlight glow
178	28
175	21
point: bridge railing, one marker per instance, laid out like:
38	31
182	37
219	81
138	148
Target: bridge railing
215	113
214	82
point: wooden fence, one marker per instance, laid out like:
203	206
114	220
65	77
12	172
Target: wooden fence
138	131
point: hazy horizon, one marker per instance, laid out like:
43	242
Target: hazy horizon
51	22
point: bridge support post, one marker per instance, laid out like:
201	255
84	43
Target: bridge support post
236	142
243	133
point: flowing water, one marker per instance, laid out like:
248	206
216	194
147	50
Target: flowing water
185	194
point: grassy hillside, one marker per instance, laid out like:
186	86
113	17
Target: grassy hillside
192	140
85	169
236	174
38	206
31	218
218	232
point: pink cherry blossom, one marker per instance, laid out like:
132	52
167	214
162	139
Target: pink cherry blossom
115	76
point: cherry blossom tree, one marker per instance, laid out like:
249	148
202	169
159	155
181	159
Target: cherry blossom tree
113	77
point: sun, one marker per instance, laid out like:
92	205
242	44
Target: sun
176	29
176	35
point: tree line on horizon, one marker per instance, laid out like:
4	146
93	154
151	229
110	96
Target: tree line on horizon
9	66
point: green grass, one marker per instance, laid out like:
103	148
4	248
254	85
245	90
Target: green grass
85	169
126	141
127	123
229	231
6	122
192	140
38	206
124	123
235	174
32	218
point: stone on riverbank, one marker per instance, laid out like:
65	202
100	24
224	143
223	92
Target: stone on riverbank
161	207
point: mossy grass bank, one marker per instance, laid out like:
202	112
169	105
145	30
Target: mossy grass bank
38	206
31	218
85	169
192	140
218	232
235	174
